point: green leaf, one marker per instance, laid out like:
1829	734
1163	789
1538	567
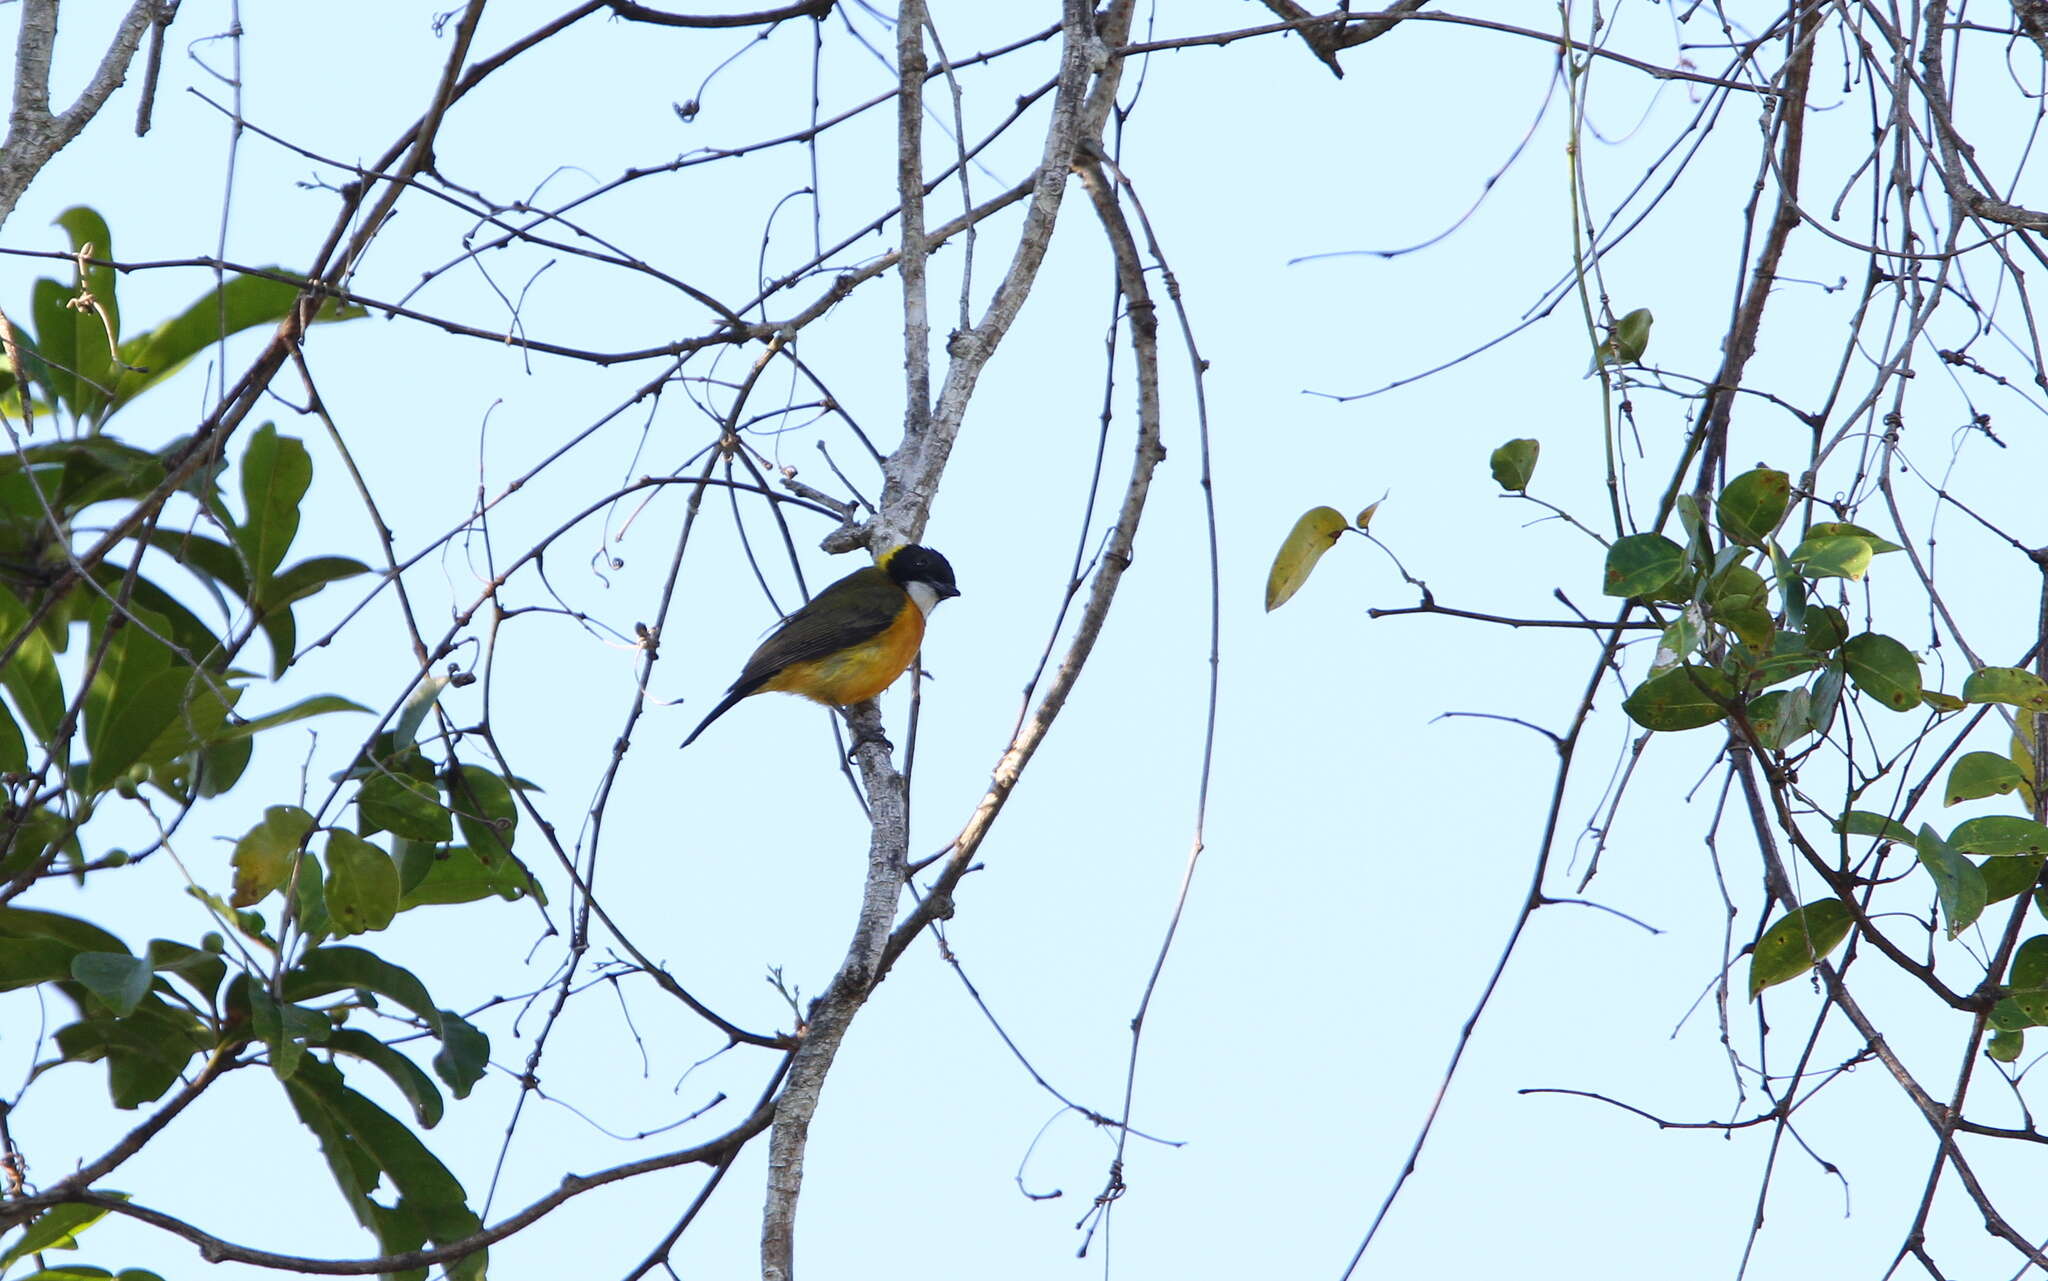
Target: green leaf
144	1052
221	766
309	891
1941	702
75	357
76	934
1797	942
1514	464
415	860
38	833
1842	528
1738	587
1781	718
1783	660
281	630
1865	823
13	746
10	393
274	613
1753	504
1827	696
1680	640
198	722
1765	713
93	469
31	675
1740	601
249	924
2013	685
1685	697
2023	743
241	302
134	696
1642	565
202	970
455	874
484	811
1315	533
56	1228
206	557
2005	1047
287	1029
1791	588
360	1140
417	1086
362	884
276	472
56	348
2001	835
423	1183
2030	963
1837	557
177	624
27	962
1980	774
1688	509
465	1054
119	980
1825	628
97	328
1883	669
263	857
318	705
326	970
1957	882
88	229
1627	341
355	1171
2006	878
2007	1016
407	806
2030	1005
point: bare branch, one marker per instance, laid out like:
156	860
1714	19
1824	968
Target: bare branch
766	17
34	135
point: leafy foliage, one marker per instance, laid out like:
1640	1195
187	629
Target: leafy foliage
1748	622
117	688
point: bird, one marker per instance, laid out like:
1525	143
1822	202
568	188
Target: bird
853	639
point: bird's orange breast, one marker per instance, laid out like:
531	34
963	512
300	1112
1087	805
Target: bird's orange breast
858	672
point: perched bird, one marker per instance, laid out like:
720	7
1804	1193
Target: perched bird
854	638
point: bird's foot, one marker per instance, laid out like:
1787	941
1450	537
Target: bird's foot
864	737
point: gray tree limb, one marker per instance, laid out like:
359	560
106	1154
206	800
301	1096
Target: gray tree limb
34	134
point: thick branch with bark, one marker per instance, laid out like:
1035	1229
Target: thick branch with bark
34	133
913	474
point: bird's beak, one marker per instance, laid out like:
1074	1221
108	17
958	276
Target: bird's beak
945	590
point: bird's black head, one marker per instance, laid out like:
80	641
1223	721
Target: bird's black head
911	563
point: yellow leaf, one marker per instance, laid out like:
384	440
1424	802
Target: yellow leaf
1315	533
263	857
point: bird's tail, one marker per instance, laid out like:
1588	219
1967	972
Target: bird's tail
725	705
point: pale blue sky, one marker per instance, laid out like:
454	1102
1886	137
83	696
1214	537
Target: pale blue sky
1365	859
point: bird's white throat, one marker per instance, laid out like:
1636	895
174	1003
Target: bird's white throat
925	595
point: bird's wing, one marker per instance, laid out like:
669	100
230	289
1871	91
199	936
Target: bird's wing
836	618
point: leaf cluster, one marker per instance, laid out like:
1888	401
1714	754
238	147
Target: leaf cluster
121	682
